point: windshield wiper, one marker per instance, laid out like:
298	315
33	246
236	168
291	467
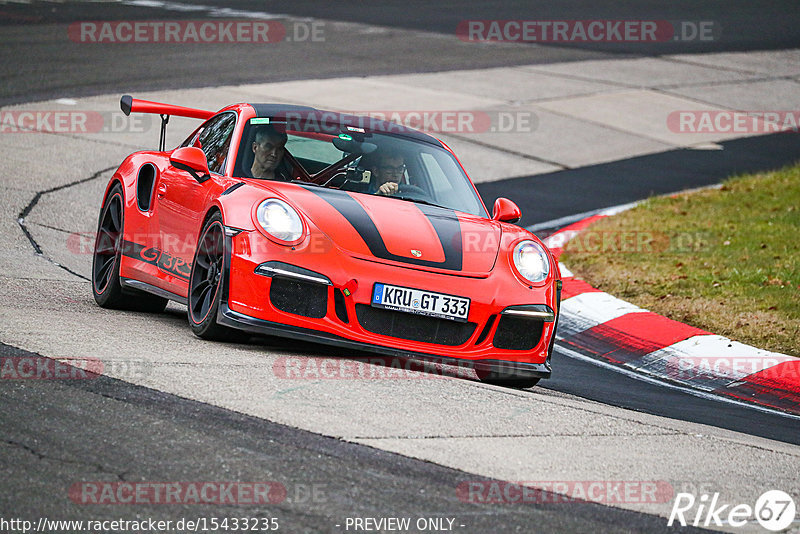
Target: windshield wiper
419	201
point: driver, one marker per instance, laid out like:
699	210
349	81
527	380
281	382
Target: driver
268	149
387	171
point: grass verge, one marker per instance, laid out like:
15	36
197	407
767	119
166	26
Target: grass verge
725	260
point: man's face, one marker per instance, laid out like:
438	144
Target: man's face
390	170
268	152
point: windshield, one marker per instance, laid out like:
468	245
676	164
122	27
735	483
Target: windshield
358	161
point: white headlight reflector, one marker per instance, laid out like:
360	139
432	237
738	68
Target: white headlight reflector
280	220
531	261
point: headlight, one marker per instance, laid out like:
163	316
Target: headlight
280	220
531	261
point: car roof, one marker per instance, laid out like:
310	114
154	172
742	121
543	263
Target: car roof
336	119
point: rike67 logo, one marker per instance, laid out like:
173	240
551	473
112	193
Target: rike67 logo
774	510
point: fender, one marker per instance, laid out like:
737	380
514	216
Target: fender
237	206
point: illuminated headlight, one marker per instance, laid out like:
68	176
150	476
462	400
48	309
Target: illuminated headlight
531	261
280	220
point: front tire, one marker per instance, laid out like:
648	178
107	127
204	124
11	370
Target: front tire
108	244
517	383
507	378
205	283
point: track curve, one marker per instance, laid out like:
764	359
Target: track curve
469	429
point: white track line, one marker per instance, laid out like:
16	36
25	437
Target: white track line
658	382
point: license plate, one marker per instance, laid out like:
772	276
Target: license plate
421	302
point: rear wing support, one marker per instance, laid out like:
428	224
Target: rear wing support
129	104
163	139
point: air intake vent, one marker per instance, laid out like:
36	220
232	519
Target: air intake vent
414	327
517	333
298	297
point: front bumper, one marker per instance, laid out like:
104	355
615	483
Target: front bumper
346	283
240	321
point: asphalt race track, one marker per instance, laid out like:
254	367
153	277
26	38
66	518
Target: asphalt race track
174	408
49	67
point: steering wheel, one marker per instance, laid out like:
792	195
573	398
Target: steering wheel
412	192
337	180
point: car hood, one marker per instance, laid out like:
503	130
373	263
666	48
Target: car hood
393	231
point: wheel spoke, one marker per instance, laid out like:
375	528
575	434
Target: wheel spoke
218	244
207	300
105	270
198	296
105	267
202	262
106	244
199	289
104	250
208	262
208	244
113	209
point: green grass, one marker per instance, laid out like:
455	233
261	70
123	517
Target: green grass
726	260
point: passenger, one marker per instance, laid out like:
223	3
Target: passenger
268	149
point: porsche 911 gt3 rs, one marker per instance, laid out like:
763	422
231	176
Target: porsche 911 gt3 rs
319	251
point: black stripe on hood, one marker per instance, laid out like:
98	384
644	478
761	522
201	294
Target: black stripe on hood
444	222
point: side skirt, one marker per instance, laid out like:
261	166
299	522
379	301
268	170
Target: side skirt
149	288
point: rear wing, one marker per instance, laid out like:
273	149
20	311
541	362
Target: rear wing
129	104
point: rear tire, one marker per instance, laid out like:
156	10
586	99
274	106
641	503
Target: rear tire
106	286
205	283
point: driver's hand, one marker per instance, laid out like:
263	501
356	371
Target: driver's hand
389	188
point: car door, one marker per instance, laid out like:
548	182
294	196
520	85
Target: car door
182	199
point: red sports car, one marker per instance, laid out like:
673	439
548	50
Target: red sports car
333	228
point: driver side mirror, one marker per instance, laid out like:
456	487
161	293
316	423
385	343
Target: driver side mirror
506	211
192	160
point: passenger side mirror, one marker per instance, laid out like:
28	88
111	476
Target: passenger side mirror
506	211
192	160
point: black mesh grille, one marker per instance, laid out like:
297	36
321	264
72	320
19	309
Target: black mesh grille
413	327
517	333
298	297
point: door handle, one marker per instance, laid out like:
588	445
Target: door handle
162	189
